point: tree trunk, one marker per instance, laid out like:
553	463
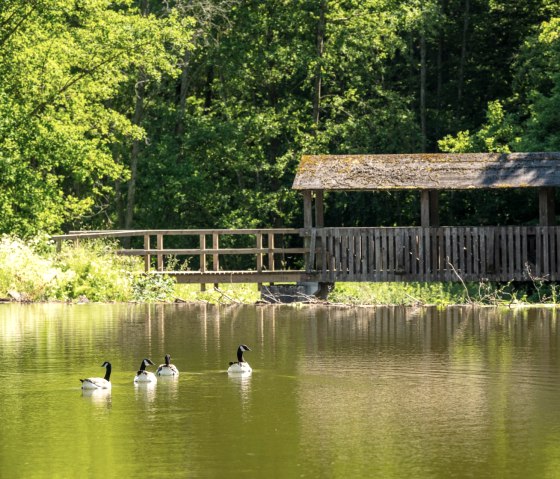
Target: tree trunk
320	48
135	153
463	59
140	90
423	89
180	123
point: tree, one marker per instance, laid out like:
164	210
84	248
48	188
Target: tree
62	65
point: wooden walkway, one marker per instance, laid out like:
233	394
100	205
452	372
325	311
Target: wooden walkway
344	254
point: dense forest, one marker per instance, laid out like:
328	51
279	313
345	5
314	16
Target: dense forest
194	113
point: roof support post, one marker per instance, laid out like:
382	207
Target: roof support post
319	209
307	224
547	206
319	223
429	208
307	209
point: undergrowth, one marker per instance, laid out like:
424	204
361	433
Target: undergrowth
88	271
445	294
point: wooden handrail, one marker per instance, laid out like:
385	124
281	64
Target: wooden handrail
173	232
202	252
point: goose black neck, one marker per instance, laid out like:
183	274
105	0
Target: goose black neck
240	356
107	372
142	366
167	360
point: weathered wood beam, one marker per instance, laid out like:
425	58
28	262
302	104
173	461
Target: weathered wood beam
319	209
307	209
547	206
226	277
429	208
433	171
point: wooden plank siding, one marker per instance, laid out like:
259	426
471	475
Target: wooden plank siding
441	254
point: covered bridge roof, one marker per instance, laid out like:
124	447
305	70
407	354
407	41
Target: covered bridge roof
438	171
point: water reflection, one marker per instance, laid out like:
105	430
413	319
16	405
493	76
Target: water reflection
145	391
98	397
243	380
169	385
337	392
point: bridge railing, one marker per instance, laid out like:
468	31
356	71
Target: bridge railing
199	255
494	253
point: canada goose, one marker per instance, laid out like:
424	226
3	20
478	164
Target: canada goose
167	369
241	366
143	376
99	383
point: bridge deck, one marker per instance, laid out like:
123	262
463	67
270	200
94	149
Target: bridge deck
197	277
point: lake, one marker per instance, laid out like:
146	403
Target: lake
334	393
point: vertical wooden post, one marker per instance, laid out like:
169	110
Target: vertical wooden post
147	258
307	224
259	246
319	223
424	208
271	251
429	208
434	208
307	210
202	259
159	241
216	256
319	209
547	207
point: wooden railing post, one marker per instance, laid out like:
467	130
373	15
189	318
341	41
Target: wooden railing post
271	252
147	258
202	259
159	241
216	256
259	238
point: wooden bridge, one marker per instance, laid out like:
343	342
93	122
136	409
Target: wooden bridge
316	253
329	255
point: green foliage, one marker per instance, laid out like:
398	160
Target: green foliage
62	65
445	294
90	271
26	274
150	288
500	134
195	114
538	82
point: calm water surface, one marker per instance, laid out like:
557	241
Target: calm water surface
335	393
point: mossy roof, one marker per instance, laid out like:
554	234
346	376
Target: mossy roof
437	171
